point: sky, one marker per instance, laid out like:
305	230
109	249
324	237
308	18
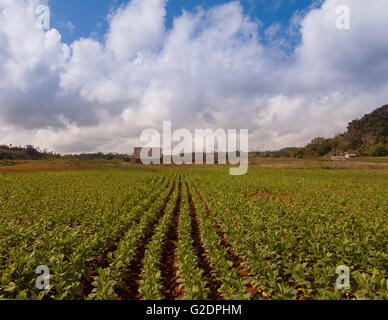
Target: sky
90	16
106	70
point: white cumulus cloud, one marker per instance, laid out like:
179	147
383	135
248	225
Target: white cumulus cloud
210	70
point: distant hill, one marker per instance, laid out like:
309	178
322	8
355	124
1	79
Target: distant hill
367	136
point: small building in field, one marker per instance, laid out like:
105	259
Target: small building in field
155	154
337	158
136	155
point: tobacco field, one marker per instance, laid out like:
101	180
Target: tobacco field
194	233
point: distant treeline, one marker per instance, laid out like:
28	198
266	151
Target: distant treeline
24	153
283	153
30	152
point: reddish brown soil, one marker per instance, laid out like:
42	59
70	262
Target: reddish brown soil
237	261
132	277
42	165
168	265
87	286
203	259
101	262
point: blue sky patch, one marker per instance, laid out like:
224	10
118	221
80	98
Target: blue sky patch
89	18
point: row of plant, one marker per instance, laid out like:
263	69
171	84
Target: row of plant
110	235
190	275
151	277
232	285
110	279
266	276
